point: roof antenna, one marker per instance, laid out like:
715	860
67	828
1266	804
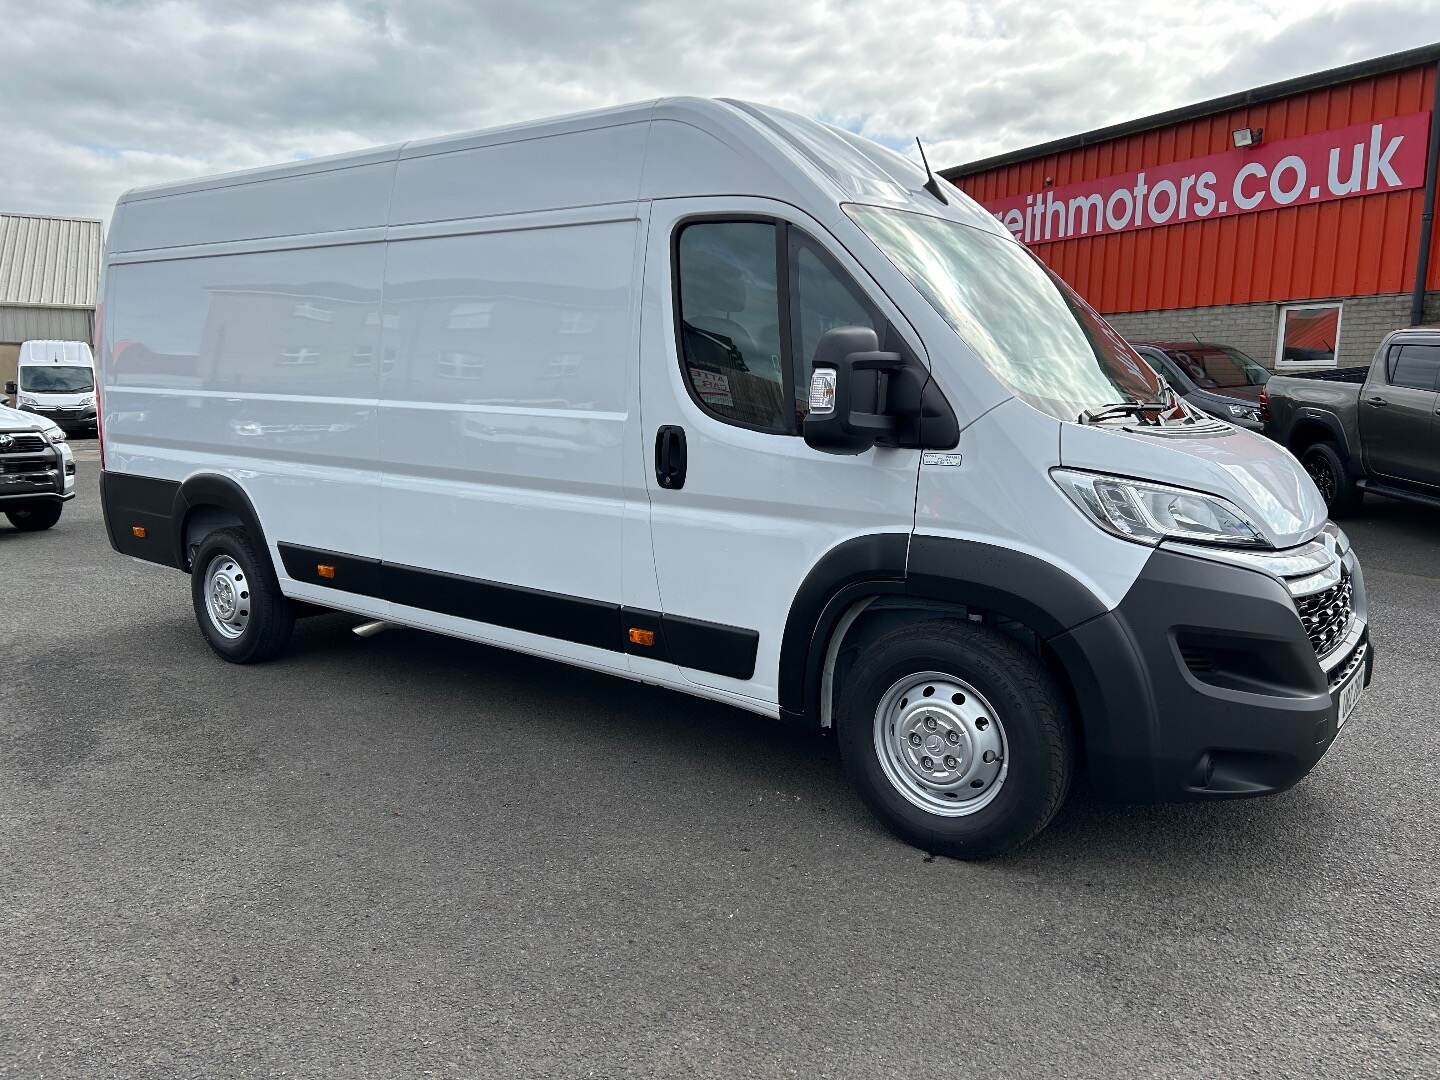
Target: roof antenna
932	183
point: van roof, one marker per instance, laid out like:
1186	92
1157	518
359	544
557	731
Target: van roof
49	351
712	147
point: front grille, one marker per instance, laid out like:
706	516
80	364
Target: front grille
1326	614
1199	660
1341	674
24	442
30	463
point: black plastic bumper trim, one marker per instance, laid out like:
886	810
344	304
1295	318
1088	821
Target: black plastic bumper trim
128	501
1154	729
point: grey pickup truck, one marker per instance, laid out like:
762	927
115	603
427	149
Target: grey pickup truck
1374	429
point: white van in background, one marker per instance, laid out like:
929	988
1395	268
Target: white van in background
713	396
56	380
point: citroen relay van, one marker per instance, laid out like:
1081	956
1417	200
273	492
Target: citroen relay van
716	397
56	380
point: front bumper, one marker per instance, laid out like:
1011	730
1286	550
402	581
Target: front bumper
69	419
1202	683
32	477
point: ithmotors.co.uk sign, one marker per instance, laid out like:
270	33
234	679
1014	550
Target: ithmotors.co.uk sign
1366	159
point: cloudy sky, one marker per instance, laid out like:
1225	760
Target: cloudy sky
100	95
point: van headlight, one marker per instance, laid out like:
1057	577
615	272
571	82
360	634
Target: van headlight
22	400
1148	513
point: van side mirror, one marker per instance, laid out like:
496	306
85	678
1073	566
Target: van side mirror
846	410
11	389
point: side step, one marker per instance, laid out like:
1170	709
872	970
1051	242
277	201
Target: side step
1370	487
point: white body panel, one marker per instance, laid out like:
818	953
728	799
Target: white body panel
505	401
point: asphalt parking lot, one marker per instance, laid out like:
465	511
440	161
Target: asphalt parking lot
410	856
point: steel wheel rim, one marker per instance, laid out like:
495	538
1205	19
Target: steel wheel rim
227	597
1321	474
961	759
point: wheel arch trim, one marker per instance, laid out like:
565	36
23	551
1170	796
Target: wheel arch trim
1309	421
212	489
950	570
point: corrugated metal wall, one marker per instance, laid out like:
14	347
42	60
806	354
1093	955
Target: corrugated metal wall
19	324
48	260
1349	247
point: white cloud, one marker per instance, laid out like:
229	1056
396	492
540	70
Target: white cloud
101	95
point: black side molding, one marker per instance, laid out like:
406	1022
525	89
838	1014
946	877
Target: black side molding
691	643
707	646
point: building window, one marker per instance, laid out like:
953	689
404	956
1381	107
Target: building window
314	312
459	365
302	357
574	321
470	316
1309	336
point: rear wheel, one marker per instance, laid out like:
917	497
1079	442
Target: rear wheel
242	613
956	737
42	517
1323	464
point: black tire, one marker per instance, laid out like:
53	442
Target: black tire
269	618
1041	742
1337	487
42	517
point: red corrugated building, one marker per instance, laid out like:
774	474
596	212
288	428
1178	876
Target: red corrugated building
1287	221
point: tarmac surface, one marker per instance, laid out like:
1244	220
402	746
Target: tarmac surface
410	856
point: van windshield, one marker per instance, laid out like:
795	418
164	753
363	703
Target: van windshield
1032	330
55	379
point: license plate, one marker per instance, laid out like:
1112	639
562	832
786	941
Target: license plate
1350	695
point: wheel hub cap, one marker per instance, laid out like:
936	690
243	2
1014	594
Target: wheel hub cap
227	596
940	744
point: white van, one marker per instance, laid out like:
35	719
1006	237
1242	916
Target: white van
56	380
716	397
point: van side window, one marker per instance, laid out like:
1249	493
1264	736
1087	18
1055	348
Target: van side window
1415	366
822	297
729	319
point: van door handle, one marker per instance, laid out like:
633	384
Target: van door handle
1377	401
670	457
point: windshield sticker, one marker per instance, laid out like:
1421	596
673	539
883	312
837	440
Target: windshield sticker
712	387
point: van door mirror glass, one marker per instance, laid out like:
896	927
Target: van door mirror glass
11	388
847	386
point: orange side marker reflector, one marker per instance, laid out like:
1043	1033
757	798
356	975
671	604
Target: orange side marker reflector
642	637
325	570
137	531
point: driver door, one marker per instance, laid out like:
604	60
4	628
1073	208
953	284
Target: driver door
738	292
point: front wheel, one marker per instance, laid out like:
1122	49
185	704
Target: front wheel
1323	464
956	737
42	517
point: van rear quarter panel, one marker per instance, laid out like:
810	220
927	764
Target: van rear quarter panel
263	366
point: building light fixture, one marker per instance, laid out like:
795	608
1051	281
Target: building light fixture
1246	137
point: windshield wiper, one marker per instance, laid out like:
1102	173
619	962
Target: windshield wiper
1121	408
